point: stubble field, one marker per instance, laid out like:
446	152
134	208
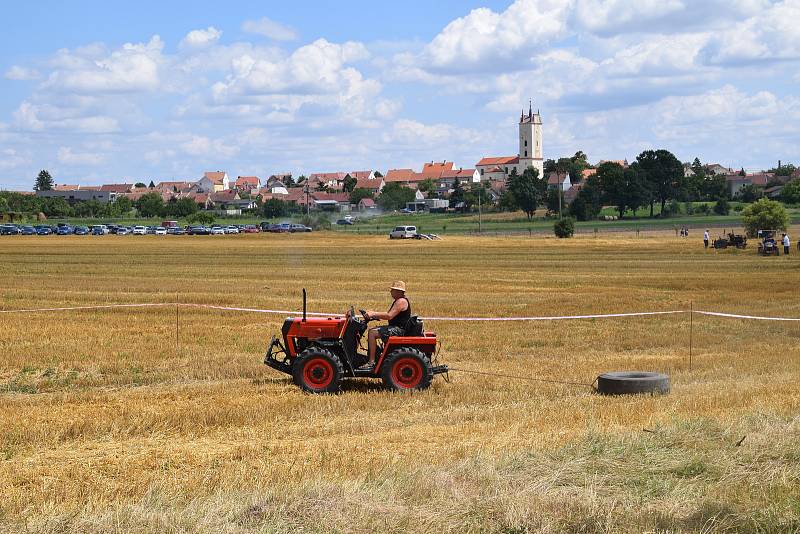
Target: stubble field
108	424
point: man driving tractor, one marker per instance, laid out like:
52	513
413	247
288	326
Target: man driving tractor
398	315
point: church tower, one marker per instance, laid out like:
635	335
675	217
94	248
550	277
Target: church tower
530	141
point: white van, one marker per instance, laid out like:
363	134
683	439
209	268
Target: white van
403	232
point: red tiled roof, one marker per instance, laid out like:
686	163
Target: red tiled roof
366	203
458	173
216	177
116	188
66	187
435	169
586	173
372	185
358	175
556	178
180	186
326	176
504	160
224	196
247	181
338	197
400	175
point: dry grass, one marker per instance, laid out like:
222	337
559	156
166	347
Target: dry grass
105	426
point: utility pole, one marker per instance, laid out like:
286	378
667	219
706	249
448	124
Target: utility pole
559	189
480	226
308	205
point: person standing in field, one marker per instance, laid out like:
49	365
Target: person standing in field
705	239
786	244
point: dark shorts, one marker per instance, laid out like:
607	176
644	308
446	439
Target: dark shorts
385	331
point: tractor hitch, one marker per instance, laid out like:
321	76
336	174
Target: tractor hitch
271	359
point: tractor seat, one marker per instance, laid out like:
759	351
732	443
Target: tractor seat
414	327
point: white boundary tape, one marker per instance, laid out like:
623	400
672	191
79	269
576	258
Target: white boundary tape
461	319
751	317
98	307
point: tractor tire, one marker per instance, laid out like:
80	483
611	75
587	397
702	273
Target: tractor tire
407	369
632	382
318	370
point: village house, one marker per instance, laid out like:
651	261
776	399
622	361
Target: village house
559	180
246	183
214	182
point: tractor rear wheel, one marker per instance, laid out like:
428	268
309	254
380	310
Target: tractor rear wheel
318	370
406	369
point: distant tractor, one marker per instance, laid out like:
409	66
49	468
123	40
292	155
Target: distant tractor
733	240
768	246
320	352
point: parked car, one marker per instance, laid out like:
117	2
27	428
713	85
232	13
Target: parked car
99	229
176	230
231	229
198	230
122	230
139	230
160	230
280	228
251	229
27	230
403	232
81	230
64	230
43	230
217	230
299	228
345	221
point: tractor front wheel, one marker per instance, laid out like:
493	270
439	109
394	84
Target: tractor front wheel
318	371
406	369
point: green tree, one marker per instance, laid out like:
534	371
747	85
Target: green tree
722	207
552	199
714	186
426	185
288	181
587	203
88	208
764	214
349	184
152	185
378	174
3	204
182	207
150	205
358	193
395	196
457	195
122	205
749	193
621	187
274	207
507	202
44	182
201	217
791	192
529	190
698	169
139	185
783	170
564	227
663	173
56	207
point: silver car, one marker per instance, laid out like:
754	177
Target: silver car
403	232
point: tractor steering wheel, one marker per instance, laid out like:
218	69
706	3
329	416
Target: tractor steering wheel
364	314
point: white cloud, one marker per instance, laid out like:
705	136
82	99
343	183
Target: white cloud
131	68
488	41
40	117
269	28
208	148
68	157
22	73
201	38
10	158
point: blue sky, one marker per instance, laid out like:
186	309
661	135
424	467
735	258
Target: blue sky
109	91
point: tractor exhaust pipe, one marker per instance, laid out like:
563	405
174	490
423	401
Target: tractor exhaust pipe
304	304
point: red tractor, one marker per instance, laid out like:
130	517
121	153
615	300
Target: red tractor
320	352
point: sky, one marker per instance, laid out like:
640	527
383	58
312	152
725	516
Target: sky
105	91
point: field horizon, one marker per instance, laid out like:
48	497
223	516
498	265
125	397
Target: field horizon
108	424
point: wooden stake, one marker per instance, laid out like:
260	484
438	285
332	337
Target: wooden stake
177	338
691	332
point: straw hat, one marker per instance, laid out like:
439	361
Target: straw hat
399	285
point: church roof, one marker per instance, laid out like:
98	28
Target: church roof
503	160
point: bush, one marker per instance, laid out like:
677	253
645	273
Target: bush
764	214
722	207
702	209
564	228
201	217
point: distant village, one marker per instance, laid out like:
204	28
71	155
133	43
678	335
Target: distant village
433	186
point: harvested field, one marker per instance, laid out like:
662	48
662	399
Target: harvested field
107	425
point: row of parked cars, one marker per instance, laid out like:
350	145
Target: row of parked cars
167	228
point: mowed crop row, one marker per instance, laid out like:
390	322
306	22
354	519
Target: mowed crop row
110	422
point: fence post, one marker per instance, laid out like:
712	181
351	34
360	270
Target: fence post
177	338
691	332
